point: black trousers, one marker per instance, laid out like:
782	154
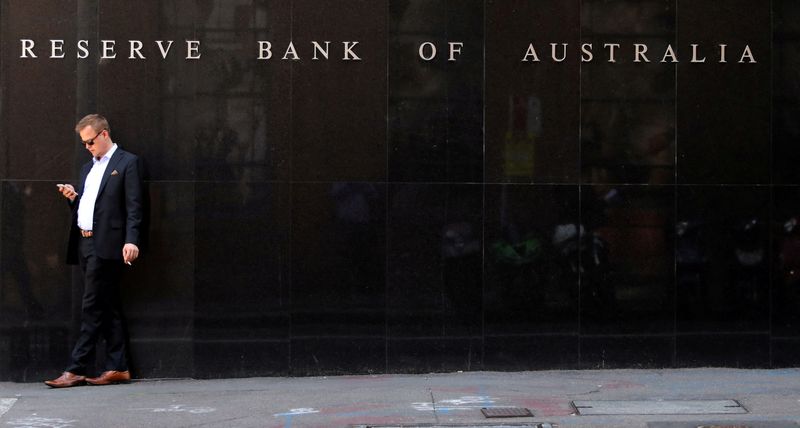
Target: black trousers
102	312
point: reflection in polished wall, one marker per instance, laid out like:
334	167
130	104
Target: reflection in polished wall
435	107
627	108
320	217
35	298
532	110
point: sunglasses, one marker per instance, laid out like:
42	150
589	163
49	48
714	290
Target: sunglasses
91	142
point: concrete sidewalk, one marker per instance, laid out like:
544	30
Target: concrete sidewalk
770	398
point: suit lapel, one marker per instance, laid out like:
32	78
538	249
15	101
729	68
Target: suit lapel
112	163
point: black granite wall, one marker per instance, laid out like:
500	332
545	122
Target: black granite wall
392	214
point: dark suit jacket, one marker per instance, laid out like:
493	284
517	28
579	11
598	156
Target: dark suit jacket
117	210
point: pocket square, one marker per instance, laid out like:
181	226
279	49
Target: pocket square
114	172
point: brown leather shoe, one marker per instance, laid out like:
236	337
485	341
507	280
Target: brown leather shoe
110	377
66	380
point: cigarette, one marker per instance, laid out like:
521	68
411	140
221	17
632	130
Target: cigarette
128	263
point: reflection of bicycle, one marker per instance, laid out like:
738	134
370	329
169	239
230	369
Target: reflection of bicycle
587	255
523	269
593	249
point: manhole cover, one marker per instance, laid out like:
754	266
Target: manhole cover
506	412
659	407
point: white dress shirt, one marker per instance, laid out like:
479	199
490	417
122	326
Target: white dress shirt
90	189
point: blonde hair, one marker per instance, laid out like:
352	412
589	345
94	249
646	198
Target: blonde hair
96	121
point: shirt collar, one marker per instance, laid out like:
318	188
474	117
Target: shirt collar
107	155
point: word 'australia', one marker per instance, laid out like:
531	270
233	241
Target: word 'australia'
641	53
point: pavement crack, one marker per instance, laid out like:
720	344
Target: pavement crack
594	391
433	403
217	421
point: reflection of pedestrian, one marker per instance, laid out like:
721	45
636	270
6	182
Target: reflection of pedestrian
14	260
106	223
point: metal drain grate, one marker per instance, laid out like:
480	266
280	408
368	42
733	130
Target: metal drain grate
506	412
659	407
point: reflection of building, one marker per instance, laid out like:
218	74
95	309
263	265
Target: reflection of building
628	109
524	126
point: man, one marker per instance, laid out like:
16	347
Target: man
104	237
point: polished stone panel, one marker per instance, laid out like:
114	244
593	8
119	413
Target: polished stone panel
785	291
785	352
338	259
242	235
609	352
722	259
785	91
521	352
338	108
159	290
35	280
532	108
628	105
3	98
46	95
129	91
434	280
531	259
35	297
723	108
226	358
242	122
627	275
320	356
242	288
717	350
434	354
435	107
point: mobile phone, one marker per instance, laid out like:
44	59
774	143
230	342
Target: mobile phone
61	187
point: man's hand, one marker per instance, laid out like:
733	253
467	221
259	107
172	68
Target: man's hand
130	252
68	191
